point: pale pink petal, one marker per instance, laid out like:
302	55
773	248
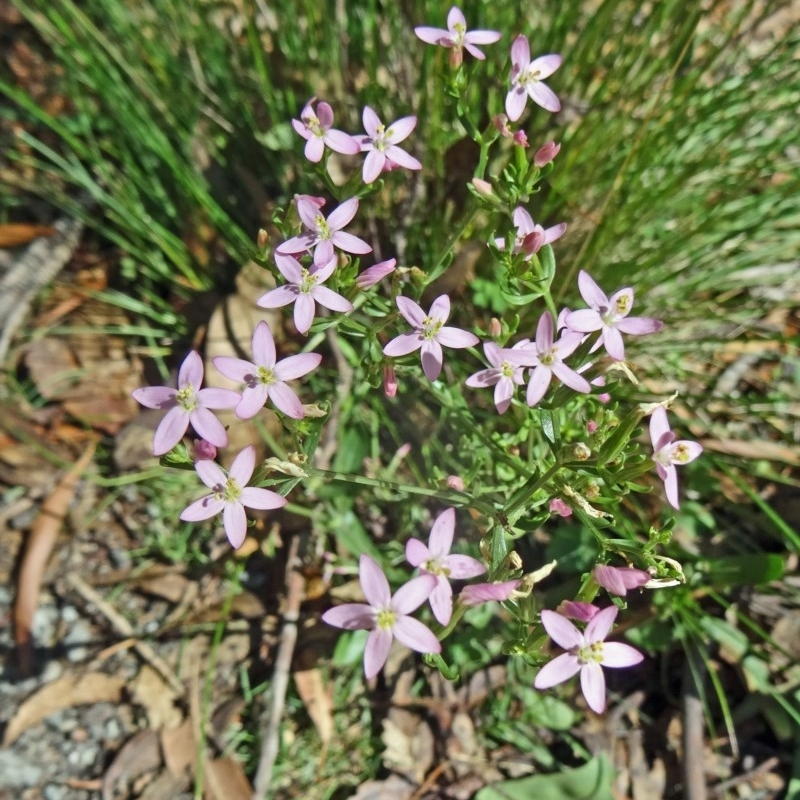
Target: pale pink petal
544	96
537	386
544	332
323	252
297	244
342	142
586	320
218	398
411	311
469	46
286	400
375	273
515	103
455	337
484	378
157	397
403	345
561	630
307	209
639	326
275	298
576	609
302	129
204	508
170	430
612	341
296	366
376	652
440	308
523	221
570	378
349	243
431	35
441	600
555	232
211	474
487	592
503	392
262	499
289	266
324	115
343	214
600	625
373	165
264	346
684	451
237	369
417	552
619	579
520	53
332	300
560	669
659	425
253	400
441	536
372	122
593	686
410	596
373	583
209	427
234	520
314	149
671	485
243	465
455	16
350	616
413	634
462	567
481	37
546	65
619	654
594	296
402	158
432	358
191	371
304	309
401	129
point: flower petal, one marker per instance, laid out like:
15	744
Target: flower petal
593	686
191	371
343	214
520	53
304	310
170	430
561	630
350	616
431	35
342	142
403	345
253	399
373	165
432	358
372	122
411	311
639	326
416	552
158	397
332	300
349	243
456	338
241	469
234	520
402	158
374	583
412	633
560	669
286	400
659	425
210	473
537	386
441	600
275	298
592	294
411	595
600	625
585	320
515	103
376	652
237	369
441	536
619	654
462	567
264	346
401	129
543	95
204	508
546	65
261	499
219	398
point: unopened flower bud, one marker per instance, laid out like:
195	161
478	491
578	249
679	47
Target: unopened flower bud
375	273
591	426
262	240
546	153
501	123
456	57
521	138
495	328
204	451
576	609
389	381
581	452
455	482
591	491
532	243
482	187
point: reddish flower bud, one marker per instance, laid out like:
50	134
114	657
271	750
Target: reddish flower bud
546	153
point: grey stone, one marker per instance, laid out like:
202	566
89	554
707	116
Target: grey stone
16	772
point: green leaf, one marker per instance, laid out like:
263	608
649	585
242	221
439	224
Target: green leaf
750	570
592	781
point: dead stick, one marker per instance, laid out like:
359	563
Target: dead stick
694	779
124	628
41	541
295	585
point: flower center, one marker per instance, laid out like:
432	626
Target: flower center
307	281
313	124
385	619
681	454
507	369
458	34
548	358
431	328
265	376
323	229
435	567
591	652
187	398
529	77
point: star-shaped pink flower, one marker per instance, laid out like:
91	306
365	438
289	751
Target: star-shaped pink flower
386	616
457	37
315	128
266	377
305	290
505	372
188	404
527	77
380	145
230	494
429	334
531	237
669	451
435	559
608	315
587	652
324	234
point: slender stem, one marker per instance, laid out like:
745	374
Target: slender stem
534	483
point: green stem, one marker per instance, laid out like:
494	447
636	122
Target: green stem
533	484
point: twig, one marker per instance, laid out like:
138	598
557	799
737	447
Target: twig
721	788
124	628
295	585
430	781
694	779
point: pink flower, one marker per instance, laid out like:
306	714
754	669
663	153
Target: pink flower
668	452
386	616
577	609
204	450
230	494
549	361
380	145
429	334
531	238
389	381
618	580
455	482
527	77
304	289
479	593
375	273
315	128
324	234
609	315
558	506
507	367
435	559
587	652
187	404
457	37
546	153
266	378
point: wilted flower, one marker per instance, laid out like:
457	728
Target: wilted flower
304	289
558	506
478	593
386	616
429	334
531	237
618	580
230	494
609	315
380	145
577	609
266	378
435	559
669	451
527	77
587	652
457	37
187	404
315	128
546	153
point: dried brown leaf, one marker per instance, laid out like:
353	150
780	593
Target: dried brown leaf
153	693
318	700
16	234
140	754
226	780
66	692
179	748
393	788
